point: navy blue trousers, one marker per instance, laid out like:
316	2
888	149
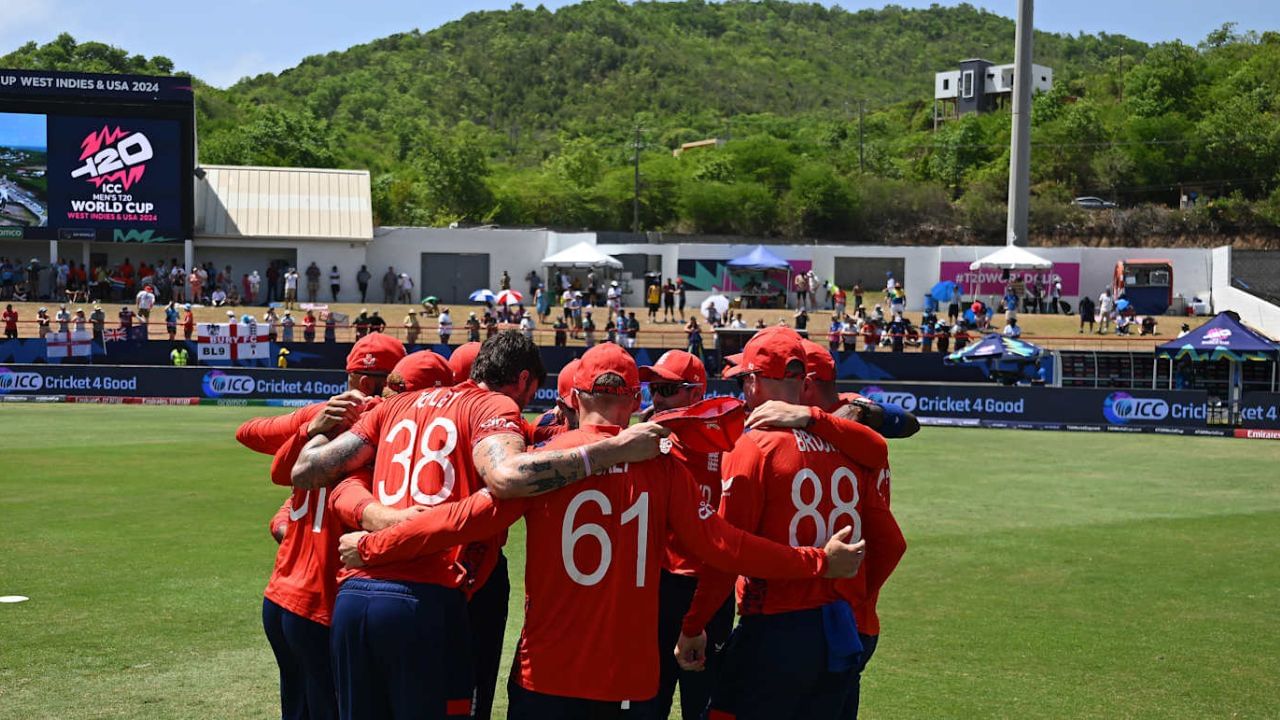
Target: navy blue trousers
488	614
675	594
775	668
529	705
401	650
850	711
301	647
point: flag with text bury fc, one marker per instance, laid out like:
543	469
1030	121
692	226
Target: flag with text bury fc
228	342
77	343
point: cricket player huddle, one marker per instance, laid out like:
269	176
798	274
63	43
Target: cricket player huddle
390	591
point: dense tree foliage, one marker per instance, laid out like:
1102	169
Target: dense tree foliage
528	116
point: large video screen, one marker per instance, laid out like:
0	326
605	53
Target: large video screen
109	166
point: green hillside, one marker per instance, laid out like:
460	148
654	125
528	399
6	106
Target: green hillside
528	116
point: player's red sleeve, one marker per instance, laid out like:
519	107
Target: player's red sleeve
885	543
741	504
369	426
267	434
853	439
497	414
474	518
280	518
287	455
718	542
349	498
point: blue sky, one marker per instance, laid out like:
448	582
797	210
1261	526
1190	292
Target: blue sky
225	40
22	130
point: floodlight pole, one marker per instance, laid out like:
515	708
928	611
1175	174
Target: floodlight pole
1020	144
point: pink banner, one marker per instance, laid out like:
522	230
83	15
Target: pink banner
992	282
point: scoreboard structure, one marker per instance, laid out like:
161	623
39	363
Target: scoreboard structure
98	158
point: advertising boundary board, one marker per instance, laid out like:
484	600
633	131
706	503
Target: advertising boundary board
97	381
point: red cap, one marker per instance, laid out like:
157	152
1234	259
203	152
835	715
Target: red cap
730	361
564	381
423	369
768	353
375	353
675	366
707	426
461	360
604	359
818	362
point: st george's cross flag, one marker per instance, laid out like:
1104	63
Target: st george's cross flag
228	342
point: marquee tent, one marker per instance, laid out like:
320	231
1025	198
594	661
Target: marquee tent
582	255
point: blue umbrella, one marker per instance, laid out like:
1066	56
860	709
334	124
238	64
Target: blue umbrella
997	348
483	295
1122	305
943	291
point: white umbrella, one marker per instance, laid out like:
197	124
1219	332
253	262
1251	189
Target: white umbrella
719	302
483	295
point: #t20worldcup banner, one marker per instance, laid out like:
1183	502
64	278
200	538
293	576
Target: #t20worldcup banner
95	157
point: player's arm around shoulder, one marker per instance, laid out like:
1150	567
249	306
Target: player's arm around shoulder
432	529
323	461
512	472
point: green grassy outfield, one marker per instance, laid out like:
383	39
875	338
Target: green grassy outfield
1049	575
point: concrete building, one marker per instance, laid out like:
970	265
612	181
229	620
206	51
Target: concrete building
980	86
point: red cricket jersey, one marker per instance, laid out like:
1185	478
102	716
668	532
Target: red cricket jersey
304	580
424	441
593	555
267	434
705	470
797	488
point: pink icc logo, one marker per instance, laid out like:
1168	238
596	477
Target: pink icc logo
113	156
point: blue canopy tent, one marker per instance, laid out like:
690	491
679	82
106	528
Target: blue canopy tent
1007	358
1223	337
763	261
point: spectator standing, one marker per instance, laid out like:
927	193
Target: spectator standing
1055	297
473	328
98	319
680	299
146	299
857	294
490	326
255	288
835	334
926	335
291	288
839	301
195	285
1086	313
309	326
330	327
588	328
535	282
126	316
63	316
870	335
613	298
802	321
79	320
561	332
633	329
652	297
171	320
361	323
273	276
272	321
1035	303
669	301
376	323
953	308
943	332
897	333
694	333
286	327
406	288
445	326
335	282
178	356
10	323
526	325
801	284
412	328
362	282
390	282
1106	309
504	283
313	281
542	302
961	335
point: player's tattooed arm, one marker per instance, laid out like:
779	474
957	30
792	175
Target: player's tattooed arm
510	472
324	461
